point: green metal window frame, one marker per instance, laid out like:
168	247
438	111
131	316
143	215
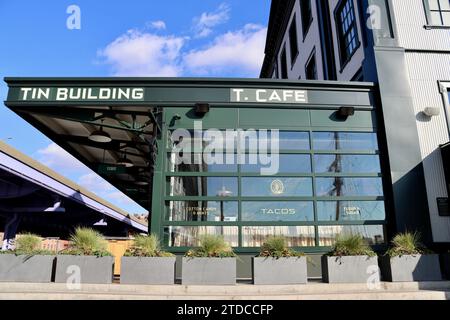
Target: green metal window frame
166	174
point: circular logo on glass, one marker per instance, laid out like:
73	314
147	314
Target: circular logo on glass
277	187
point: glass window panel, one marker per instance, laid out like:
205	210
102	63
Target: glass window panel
372	234
345	141
196	141
287	140
436	18
351	210
190	236
434	5
294	140
277	211
446	18
347	163
202	162
277	187
295	236
286	163
347	187
202	211
203	186
445	4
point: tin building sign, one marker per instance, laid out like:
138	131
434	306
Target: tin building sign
81	94
269	96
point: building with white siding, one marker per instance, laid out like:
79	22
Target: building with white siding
404	47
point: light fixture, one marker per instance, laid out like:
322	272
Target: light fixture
432	112
142	183
101	223
201	109
127	163
100	136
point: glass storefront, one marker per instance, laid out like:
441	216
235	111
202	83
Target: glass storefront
326	183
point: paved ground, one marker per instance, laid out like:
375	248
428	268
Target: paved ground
312	291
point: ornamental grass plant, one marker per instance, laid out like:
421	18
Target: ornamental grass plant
87	242
146	246
351	245
212	246
277	247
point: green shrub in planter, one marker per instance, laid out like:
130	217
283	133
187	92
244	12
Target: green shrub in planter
350	261
145	263
28	262
86	260
408	260
277	264
213	263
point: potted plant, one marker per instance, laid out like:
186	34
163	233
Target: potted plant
86	260
408	260
277	264
145	263
27	263
213	263
350	261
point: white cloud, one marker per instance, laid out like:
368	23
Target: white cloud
94	183
203	25
144	54
240	52
236	53
57	158
158	25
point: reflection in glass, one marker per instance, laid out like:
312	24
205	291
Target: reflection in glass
345	141
350	210
277	211
338	163
277	187
346	187
295	236
203	186
373	234
202	211
198	162
190	236
287	140
288	163
197	141
294	140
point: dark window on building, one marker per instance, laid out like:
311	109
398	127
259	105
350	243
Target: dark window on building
311	67
306	11
275	71
293	40
347	30
284	71
438	12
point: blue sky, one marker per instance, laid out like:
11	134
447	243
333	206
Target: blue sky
122	38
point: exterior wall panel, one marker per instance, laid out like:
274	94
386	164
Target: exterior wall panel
411	21
424	72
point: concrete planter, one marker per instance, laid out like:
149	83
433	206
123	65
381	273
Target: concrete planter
208	271
26	268
353	269
410	268
445	265
85	269
271	271
146	270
